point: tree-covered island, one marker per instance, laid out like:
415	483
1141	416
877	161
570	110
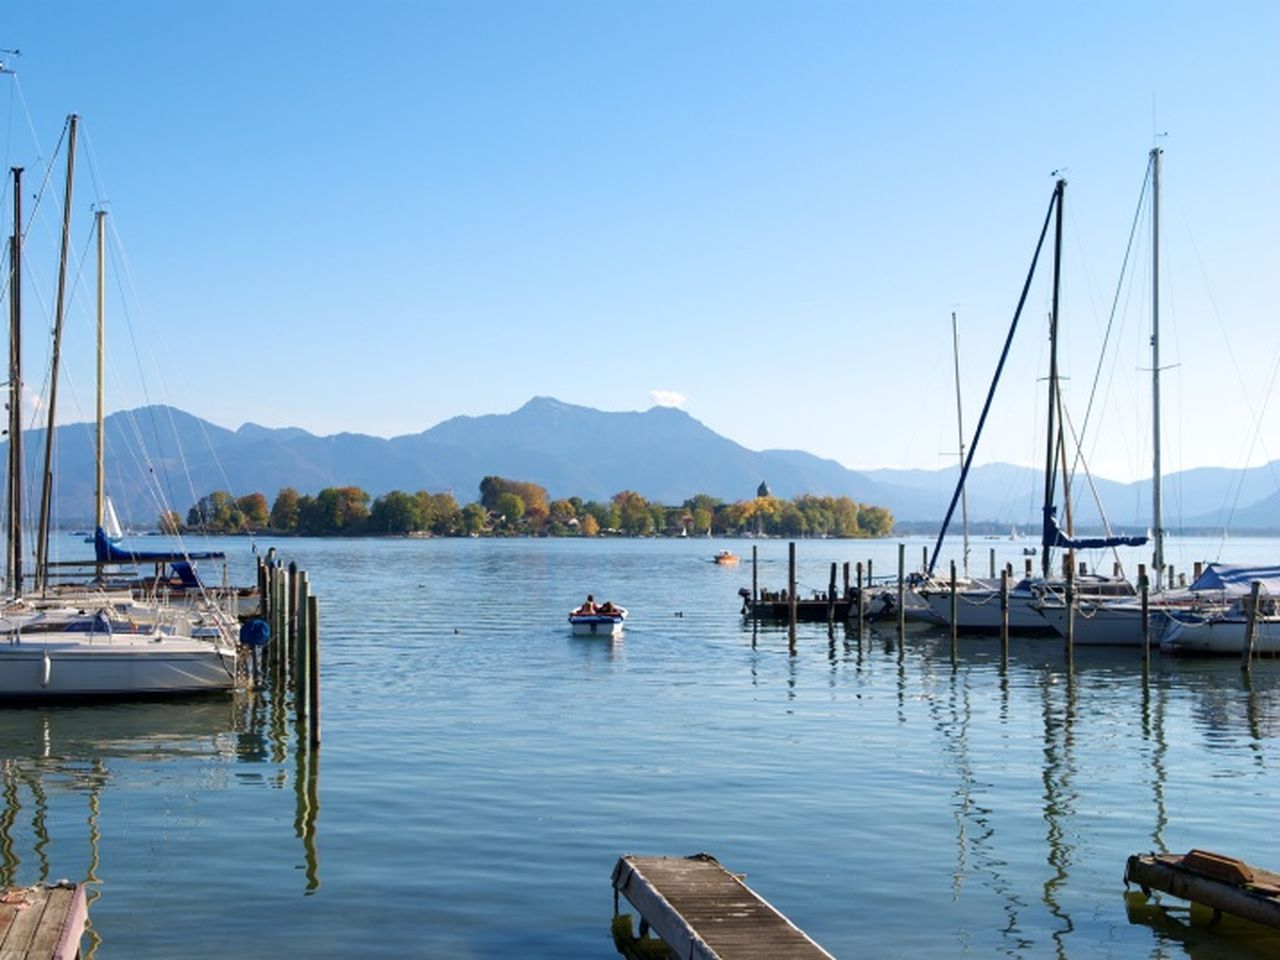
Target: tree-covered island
520	508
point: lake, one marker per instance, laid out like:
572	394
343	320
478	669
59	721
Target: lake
482	769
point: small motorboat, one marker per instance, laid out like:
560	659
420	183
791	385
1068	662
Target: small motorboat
604	620
725	559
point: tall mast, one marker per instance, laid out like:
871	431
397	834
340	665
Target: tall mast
1046	563
46	487
1157	520
100	487
964	500
13	568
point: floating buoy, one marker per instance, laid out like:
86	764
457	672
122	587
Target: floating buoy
255	633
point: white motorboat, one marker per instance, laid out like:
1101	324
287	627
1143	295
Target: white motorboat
602	621
1223	633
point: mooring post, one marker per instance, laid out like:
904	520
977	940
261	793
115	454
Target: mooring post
860	601
1005	576
263	613
869	573
993	563
1197	569
755	579
831	600
1250	626
924	559
302	649
1027	566
313	655
902	590
846	580
1144	590
1071	609
791	591
952	608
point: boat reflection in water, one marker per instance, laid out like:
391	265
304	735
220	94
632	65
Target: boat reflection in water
64	766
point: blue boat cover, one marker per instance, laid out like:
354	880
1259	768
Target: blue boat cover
1237	579
1054	537
107	552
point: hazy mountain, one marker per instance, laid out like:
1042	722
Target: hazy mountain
662	453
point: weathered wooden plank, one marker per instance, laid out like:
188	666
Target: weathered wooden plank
42	922
704	912
1221	883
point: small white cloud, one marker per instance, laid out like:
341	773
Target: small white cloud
668	398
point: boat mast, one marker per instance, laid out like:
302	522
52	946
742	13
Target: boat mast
1046	563
46	487
964	500
100	487
1157	520
13	567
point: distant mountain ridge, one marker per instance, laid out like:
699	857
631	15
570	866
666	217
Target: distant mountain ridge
663	453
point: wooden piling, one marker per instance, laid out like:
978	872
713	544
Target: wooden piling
846	580
1197	569
302	650
313	675
993	563
755	578
1250	626
1027	565
1005	576
1071	610
1144	589
791	591
831	599
924	560
902	589
952	609
860	602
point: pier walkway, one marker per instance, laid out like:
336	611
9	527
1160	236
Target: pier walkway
44	922
1223	883
704	912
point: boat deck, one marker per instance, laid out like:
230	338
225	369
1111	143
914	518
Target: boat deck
1223	883
704	912
44	922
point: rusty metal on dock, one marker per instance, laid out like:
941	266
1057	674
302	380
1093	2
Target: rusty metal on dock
1222	883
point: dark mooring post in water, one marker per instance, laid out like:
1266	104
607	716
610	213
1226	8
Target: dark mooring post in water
861	609
755	578
952	610
1144	588
1071	610
791	591
1004	615
831	600
902	589
1250	626
313	677
993	563
846	580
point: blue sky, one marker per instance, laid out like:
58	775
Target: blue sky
372	217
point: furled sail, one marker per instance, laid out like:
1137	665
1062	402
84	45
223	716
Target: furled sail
1055	537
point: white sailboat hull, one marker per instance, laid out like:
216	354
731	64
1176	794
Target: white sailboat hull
978	610
65	666
1107	625
1189	634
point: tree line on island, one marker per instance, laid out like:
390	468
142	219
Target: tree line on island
519	508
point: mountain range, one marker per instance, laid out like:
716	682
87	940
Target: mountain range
662	453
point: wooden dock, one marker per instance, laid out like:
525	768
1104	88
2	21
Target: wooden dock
807	610
1225	884
704	912
44	922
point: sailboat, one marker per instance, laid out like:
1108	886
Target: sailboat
977	604
88	641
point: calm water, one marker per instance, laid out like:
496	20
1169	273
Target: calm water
482	770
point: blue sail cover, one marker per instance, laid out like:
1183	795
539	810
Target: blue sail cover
107	552
1237	579
1054	537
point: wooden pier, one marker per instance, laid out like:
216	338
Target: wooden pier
44	922
704	912
1225	884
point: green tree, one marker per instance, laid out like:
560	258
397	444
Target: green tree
875	521
334	510
215	513
475	519
254	514
169	522
509	507
395	512
589	526
284	512
633	513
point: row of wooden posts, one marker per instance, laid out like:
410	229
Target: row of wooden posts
291	659
856	611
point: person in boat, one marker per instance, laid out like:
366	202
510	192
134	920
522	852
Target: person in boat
608	608
588	607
